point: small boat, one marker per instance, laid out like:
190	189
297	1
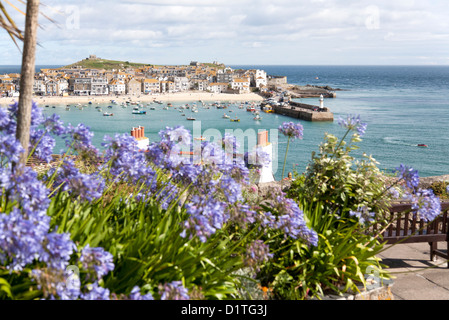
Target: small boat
200	139
110	107
139	112
106	114
251	109
423	145
257	118
191	119
235	120
226	116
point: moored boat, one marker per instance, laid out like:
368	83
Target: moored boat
139	112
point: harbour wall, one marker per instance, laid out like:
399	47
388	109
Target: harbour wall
305	112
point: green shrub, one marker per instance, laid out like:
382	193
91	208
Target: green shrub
440	188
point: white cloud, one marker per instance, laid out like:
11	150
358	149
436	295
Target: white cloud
233	30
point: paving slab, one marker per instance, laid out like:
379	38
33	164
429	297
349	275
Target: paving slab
416	277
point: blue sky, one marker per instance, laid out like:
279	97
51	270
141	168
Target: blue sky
239	32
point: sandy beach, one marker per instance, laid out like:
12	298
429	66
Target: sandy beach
168	97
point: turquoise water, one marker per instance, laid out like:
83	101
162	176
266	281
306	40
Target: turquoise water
403	106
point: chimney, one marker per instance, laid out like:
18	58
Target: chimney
262	138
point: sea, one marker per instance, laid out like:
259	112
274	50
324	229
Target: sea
403	106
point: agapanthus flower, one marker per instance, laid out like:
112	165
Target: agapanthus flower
4	119
257	253
20	239
136	295
55	125
173	291
97	260
211	153
292	130
10	150
287	217
230	144
363	215
54	284
206	215
96	292
69	178
408	175
37	116
177	135
30	193
426	204
242	214
290	219
57	249
353	122
43	144
257	158
80	139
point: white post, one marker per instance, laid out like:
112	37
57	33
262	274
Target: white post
266	172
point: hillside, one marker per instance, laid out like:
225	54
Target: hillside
99	63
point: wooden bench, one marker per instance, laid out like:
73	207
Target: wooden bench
405	227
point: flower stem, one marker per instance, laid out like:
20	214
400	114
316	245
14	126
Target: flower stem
285	159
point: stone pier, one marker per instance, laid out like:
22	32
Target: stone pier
305	112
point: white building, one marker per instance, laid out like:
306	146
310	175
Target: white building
117	87
241	84
260	78
181	84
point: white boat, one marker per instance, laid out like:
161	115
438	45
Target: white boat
225	116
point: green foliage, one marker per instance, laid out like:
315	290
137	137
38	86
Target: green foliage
439	188
147	248
334	184
336	265
340	181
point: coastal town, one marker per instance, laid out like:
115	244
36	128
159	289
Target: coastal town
77	80
135	80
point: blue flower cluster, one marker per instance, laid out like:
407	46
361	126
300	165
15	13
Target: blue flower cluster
213	175
257	253
292	130
353	122
173	291
424	202
25	234
69	178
